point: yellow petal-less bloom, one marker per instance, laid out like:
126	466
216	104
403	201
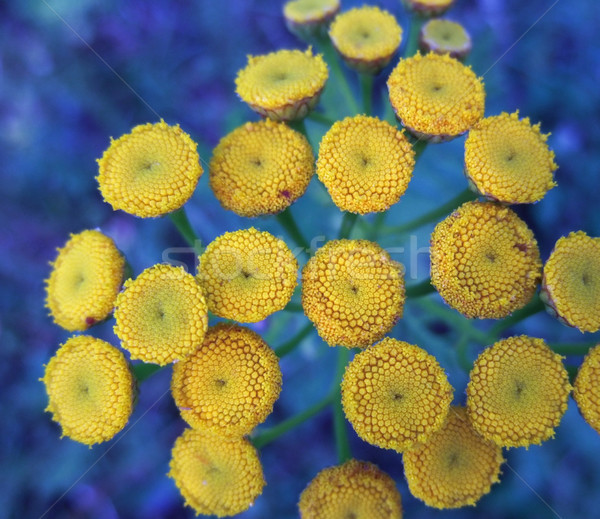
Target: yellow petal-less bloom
445	37
365	164
366	37
261	168
571	282
90	389
428	7
508	160
229	384
85	280
356	489
436	97
353	292
247	275
162	315
307	18
517	392
455	467
485	261
395	395
151	171
282	85
215	475
586	390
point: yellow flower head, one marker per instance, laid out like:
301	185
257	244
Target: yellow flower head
428	7
356	489
395	395
151	171
586	391
436	97
161	316
366	37
282	85
455	467
518	392
485	261
90	389
307	18
353	292
261	168
215	475
229	385
85	280
508	160
365	164
571	283
247	275
445	37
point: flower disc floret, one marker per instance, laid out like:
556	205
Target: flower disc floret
395	395
261	168
151	171
90	389
428	7
247	275
161	316
586	390
485	261
85	280
445	37
436	97
517	392
353	292
309	17
365	164
356	489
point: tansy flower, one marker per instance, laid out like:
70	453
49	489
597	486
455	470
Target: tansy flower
353	292
365	164
247	275
395	395
229	384
283	85
517	392
151	171
508	160
428	7
366	37
261	168
485	261
455	467
571	283
586	391
356	489
307	18
436	97
85	280
215	475
445	37
161	316
90	389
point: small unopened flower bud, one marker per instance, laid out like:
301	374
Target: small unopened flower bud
308	19
445	37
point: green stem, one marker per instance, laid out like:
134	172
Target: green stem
300	127
366	89
379	220
419	147
462	353
290	345
533	307
420	289
318	117
414	28
286	220
182	223
574	350
348	222
293	307
143	371
342	443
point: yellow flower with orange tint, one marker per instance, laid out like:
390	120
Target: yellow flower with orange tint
428	7
261	168
353	292
90	389
365	164
485	261
586	390
356	489
445	37
161	316
307	18
151	171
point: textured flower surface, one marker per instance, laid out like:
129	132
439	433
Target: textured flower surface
571	282
85	280
517	392
215	475
445	37
151	171
90	389
365	164
485	261
161	316
586	390
395	395
436	97
455	467
353	292
261	168
356	489
229	384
